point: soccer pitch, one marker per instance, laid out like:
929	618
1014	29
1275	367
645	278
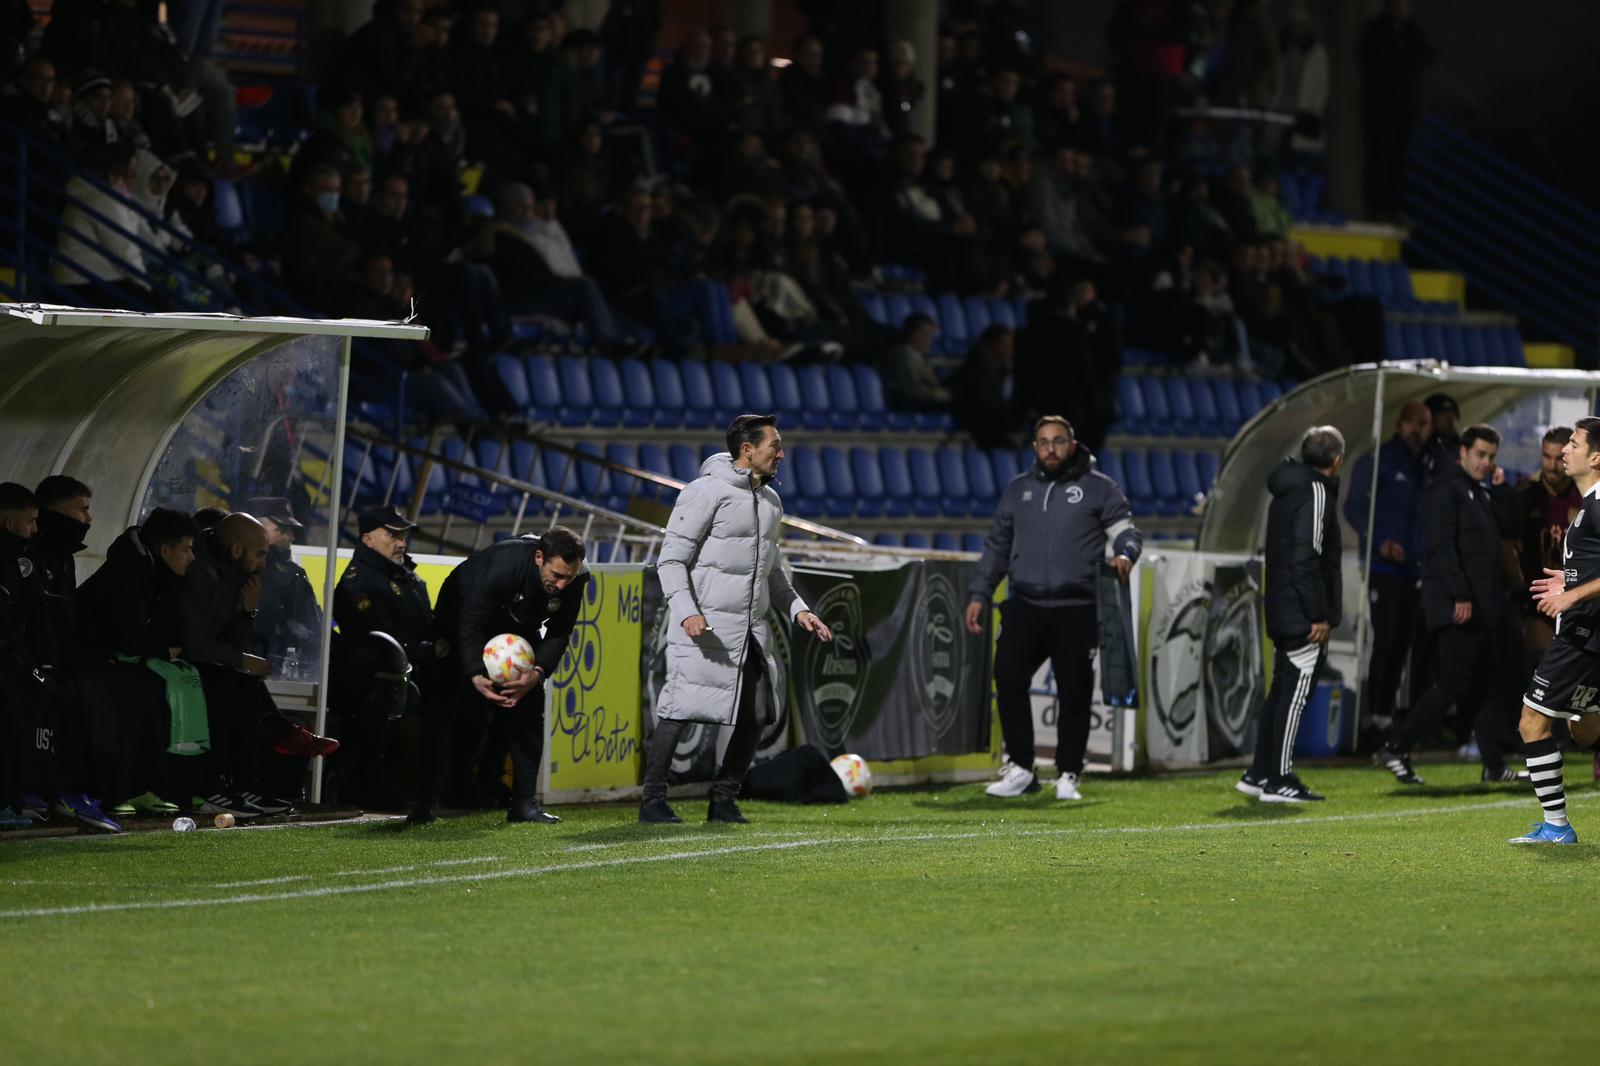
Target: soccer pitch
1158	920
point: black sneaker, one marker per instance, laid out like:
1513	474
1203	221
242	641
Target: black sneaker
1288	789
269	805
1249	784
220	804
1503	774
530	810
657	812
423	814
726	810
1397	764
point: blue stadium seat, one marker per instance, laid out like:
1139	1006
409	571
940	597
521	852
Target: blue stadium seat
953	335
1454	343
1003	461
1416	341
1207	419
685	461
918	540
1109	462
922	304
956	500
972	542
1138	488
809	487
1270	391
841	499
1394	341
817	412
1361	277
1131	415
577	392
625	486
847	413
594	480
1180	402
639	392
869	395
514	376
928	493
1164	480
366	491
888	538
653	457
1207	463
872	302
1250	399
728	393
1230	414
865	474
1001	313
526	466
1477	345
946	541
228	207
981	483
757	388
610	403
1019	307
1189	484
1400	284
544	389
700	399
898	491
785	393
671	404
898	304
1511	353
1158	412
934	421
978	319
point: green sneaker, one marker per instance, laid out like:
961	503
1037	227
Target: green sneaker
150	803
123	810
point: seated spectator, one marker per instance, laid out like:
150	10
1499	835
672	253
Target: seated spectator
749	94
399	228
689	95
1303	89
915	229
981	390
27	103
855	108
383	55
585	180
341	140
124	114
542	85
825	277
98	260
593	94
319	252
538	267
92	128
630	263
1196	223
1208	332
1141	207
996	114
497	127
1052	203
908	380
901	89
1057	115
355	196
1099	133
1233	200
802	91
1272	219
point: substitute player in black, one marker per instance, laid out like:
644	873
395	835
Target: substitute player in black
1304	601
1565	683
1464	600
517	586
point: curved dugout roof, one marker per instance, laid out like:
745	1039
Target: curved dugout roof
98	394
1359	400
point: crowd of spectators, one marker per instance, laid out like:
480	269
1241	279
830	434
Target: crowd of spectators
726	204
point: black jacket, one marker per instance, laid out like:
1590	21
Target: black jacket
126	607
290	617
213	625
59	538
27	634
377	596
1304	585
498	591
1463	525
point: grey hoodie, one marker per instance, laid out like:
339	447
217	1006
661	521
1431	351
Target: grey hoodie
1049	535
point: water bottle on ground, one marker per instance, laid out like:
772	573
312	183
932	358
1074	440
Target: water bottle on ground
183	825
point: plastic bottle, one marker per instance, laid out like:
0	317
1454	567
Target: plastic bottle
291	664
183	825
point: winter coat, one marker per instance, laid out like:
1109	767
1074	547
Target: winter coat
1049	535
1462	529
213	626
375	595
498	591
720	560
125	607
98	247
1304	585
1401	475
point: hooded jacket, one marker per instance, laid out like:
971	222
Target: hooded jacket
720	560
59	538
125	607
1304	584
212	622
1049	534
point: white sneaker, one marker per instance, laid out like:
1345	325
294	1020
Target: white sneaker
1067	787
1014	781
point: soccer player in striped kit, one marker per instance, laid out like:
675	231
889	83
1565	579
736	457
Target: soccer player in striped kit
1304	597
1565	682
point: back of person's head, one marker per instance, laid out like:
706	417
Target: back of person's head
58	489
1321	447
560	542
208	517
1559	435
15	499
748	429
164	526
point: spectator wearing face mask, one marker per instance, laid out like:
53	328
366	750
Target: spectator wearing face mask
319	253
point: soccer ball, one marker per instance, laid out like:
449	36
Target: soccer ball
854	774
504	655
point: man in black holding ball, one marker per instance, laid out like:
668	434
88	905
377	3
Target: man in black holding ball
517	586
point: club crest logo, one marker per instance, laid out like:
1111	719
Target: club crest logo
939	659
835	674
1074	494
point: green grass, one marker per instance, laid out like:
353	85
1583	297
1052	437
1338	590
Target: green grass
1160	920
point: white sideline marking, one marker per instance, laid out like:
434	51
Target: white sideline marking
703	853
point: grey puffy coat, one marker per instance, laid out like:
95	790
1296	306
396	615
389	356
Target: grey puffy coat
720	560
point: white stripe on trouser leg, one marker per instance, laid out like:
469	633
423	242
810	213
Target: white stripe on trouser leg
1307	665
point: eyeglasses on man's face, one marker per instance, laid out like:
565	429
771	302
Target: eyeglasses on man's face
1053	443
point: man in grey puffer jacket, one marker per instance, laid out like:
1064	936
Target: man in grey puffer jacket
719	570
1049	537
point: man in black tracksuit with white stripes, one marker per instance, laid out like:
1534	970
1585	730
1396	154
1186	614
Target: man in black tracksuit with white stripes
1049	538
1304	599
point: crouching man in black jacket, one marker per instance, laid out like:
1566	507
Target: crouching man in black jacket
1304	599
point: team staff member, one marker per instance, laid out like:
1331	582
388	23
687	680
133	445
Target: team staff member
1049	537
1547	502
289	616
720	570
1304	602
516	586
1464	593
1393	581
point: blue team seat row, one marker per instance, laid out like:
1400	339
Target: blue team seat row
1456	342
944	540
1160	482
960	319
1149	405
573	391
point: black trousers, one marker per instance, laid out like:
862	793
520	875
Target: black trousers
1068	637
241	716
128	726
741	746
1470	661
1395	603
453	742
1294	679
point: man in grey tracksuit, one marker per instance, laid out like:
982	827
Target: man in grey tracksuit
719	570
1049	537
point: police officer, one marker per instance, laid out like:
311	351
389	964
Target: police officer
289	621
517	586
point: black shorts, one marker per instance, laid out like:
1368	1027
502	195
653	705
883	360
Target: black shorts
1566	683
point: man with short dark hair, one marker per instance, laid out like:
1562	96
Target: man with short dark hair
1463	592
289	622
1049	539
64	520
517	586
908	379
720	569
1304	591
1548	501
